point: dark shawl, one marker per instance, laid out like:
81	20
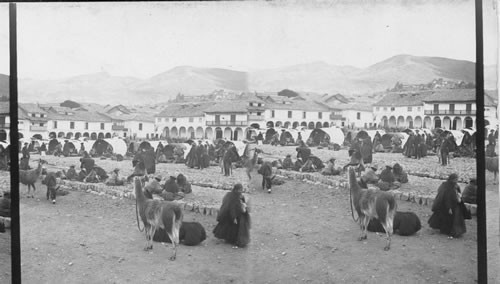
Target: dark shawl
234	233
446	199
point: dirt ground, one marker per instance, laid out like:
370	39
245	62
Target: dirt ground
300	233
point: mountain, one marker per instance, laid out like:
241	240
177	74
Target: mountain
315	77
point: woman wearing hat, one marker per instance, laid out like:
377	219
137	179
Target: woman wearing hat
234	219
115	179
287	162
71	173
448	215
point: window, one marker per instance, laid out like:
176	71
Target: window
259	104
72	125
174	119
452	108
358	115
140	126
41	124
385	108
191	119
42	115
251	104
304	114
102	126
55	124
86	125
320	115
393	108
258	113
409	108
289	114
33	115
272	113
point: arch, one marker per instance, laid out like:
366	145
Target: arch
199	132
93	136
418	122
78	135
228	133
69	135
384	121
238	134
60	135
52	135
447	122
457	123
174	133
401	121
100	135
468	122
318	124
428	122
278	124
255	125
86	134
486	122
392	122
310	125
190	132
209	133
295	124
108	135
437	122
3	135
325	124
182	132
409	122
20	135
166	132
303	123
270	124
287	124
218	133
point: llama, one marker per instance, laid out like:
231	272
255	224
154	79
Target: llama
29	177
158	214
251	163
492	166
370	204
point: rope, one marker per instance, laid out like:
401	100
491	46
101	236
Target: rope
350	198
137	216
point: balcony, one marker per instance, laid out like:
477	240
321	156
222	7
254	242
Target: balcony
450	112
228	123
5	126
38	128
256	117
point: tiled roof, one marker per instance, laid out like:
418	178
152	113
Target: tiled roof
184	110
403	99
354	106
456	95
145	117
31	108
288	104
88	116
228	106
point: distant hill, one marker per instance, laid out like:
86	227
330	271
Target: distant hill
315	77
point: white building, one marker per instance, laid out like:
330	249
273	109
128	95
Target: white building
32	121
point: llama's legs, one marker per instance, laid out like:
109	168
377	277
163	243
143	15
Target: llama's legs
363	225
147	231
388	232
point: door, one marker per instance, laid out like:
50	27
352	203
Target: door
233	119
217	119
436	108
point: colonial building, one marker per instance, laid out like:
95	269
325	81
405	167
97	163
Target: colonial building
32	121
355	116
291	113
227	119
400	110
4	121
186	120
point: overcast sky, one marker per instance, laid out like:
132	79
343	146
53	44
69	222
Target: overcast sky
58	40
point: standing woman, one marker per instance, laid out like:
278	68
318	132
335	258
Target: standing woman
234	219
448	215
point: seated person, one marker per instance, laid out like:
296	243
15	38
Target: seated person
183	184
308	166
387	180
153	187
298	165
288	163
5	204
330	169
399	174
82	175
171	190
115	178
470	192
71	173
370	176
92	177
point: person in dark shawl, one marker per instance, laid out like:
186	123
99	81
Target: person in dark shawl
416	146
377	139
444	150
470	192
299	139
448	215
234	219
387	180
87	162
408	146
366	150
159	150
230	156
422	148
303	152
491	138
171	190
399	174
298	164
71	173
266	171
5	203
183	184
191	158
287	162
42	149
82	149
82	174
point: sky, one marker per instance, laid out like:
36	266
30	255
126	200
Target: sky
60	40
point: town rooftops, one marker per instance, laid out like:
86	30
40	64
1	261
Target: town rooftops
403	99
31	108
88	116
354	106
456	95
279	102
184	110
228	106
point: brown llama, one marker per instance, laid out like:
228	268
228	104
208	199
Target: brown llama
158	214
251	163
371	204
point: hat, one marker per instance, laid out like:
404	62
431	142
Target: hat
288	155
332	160
374	167
116	170
158	177
72	166
452	177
